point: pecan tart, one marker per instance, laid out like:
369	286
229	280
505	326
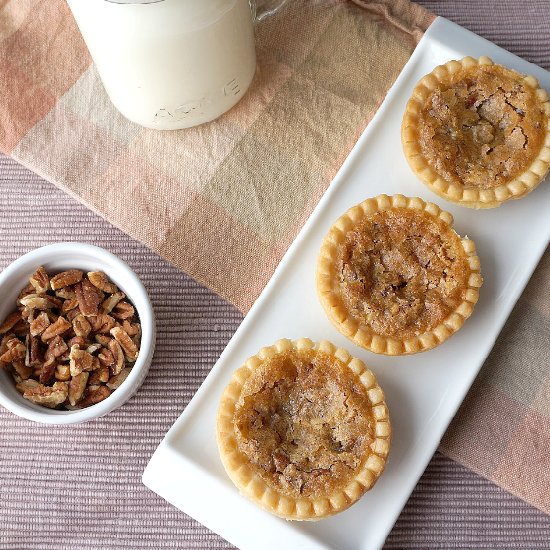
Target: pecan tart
395	278
303	429
477	133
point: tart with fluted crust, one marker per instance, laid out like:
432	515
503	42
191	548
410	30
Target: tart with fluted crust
303	429
395	278
477	133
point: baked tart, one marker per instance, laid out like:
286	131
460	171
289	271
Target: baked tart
395	278
303	429
477	133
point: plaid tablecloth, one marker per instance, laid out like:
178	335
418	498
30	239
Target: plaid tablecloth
81	488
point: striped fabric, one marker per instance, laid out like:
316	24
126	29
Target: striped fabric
227	217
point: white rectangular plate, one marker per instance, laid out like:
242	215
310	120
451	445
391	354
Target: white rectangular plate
423	392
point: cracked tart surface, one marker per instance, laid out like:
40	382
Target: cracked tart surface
478	133
394	277
303	429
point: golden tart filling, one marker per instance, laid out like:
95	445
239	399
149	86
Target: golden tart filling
478	133
309	425
395	277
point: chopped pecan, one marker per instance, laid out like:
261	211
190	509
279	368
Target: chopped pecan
40	324
123	310
77	385
132	329
100	280
33	356
37	301
21	328
94	394
66	278
88	298
126	343
16	350
103	339
92	348
29	289
77	341
106	357
108	304
115	381
80	360
47	396
28	314
11	320
25	385
55	329
56	348
66	293
102	323
40	281
63	373
99	376
72	314
21	369
68	305
118	357
47	373
81	326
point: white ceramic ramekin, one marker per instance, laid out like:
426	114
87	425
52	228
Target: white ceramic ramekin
56	258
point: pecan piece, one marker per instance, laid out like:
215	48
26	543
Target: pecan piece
99	376
126	343
88	298
16	350
106	357
46	396
94	394
68	305
21	328
81	326
131	329
37	301
33	356
100	280
40	281
115	381
66	278
118	357
55	329
22	370
72	314
40	324
28	289
108	304
63	373
92	348
11	320
80	360
77	385
123	310
56	348
25	385
102	339
47	373
102	323
66	293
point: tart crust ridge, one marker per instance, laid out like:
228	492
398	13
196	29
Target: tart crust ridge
516	188
328	288
252	485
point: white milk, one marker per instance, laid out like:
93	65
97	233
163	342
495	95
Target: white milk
172	63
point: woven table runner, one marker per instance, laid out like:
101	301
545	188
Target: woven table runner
224	201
